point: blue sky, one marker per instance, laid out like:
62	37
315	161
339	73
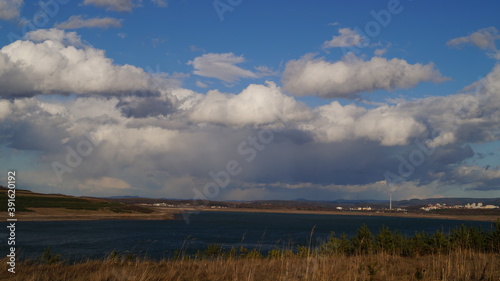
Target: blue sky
271	34
173	88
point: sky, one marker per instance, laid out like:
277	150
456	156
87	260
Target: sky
251	100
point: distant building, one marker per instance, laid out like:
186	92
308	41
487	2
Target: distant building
467	206
490	207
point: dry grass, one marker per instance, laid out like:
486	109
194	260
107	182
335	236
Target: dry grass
459	265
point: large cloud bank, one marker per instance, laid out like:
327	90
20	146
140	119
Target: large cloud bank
171	140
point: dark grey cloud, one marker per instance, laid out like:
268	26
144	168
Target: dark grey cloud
145	107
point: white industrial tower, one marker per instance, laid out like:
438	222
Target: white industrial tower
390	201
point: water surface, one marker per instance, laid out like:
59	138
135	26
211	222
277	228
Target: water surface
76	240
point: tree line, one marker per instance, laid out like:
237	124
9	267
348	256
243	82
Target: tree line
364	242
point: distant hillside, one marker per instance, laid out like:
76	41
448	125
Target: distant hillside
26	200
306	202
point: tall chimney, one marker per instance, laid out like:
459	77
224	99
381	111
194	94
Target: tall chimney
390	201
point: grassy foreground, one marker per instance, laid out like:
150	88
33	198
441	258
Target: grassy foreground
465	253
458	265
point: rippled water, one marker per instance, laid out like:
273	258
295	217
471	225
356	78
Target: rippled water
77	240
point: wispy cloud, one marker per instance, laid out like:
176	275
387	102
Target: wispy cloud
380	52
160	3
194	48
122	5
112	5
201	84
10	9
484	39
347	38
157	41
221	66
78	21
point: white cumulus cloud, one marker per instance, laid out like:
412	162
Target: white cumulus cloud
257	104
385	125
346	78
57	62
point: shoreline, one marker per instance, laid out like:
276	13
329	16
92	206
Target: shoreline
485	218
168	213
59	214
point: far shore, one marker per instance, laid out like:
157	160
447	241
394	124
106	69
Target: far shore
168	213
61	214
485	218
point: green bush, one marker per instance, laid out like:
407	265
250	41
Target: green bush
362	242
385	241
334	245
48	257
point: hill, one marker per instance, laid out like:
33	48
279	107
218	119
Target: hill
37	206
